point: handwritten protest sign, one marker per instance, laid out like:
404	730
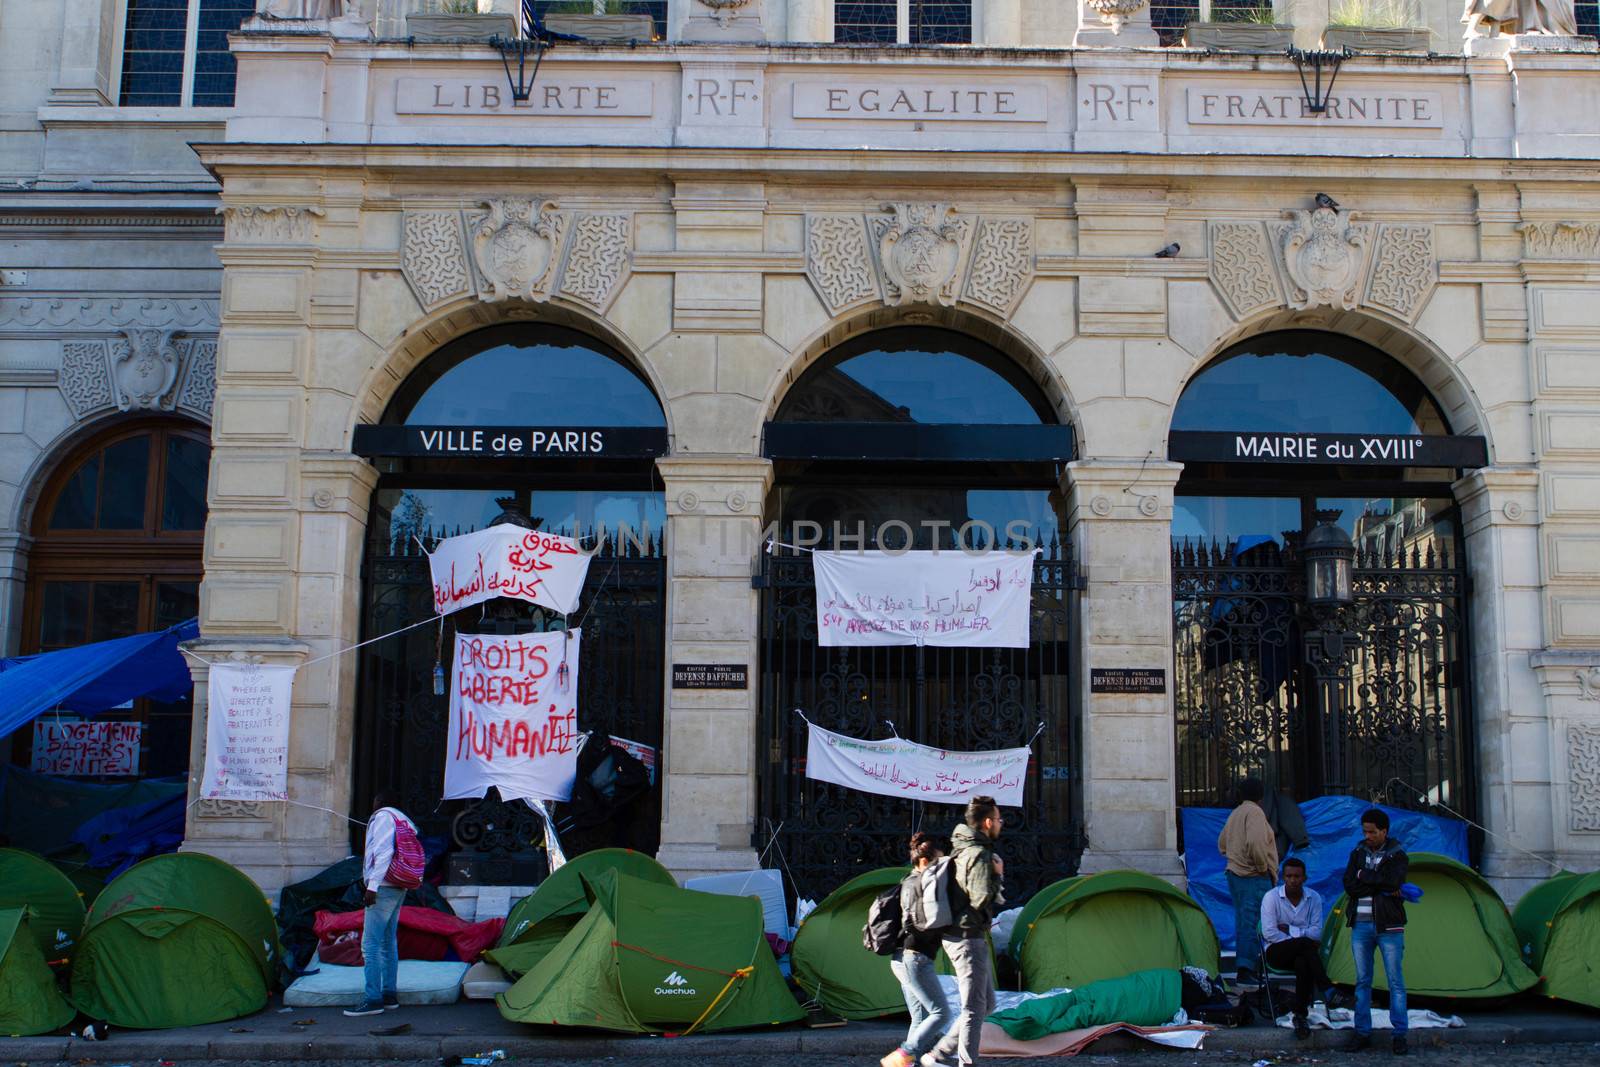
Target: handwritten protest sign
86	748
513	716
897	768
927	598
507	560
247	732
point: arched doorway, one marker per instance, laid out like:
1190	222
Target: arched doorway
922	438
118	543
589	427
1370	697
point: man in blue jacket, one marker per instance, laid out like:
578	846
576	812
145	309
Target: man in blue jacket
1377	919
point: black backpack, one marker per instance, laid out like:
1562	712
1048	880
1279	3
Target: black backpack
885	929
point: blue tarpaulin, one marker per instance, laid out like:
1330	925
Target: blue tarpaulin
97	677
1334	824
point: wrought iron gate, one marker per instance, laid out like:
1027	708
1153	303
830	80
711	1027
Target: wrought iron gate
958	698
1371	699
401	725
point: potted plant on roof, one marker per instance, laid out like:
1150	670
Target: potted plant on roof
1375	26
1253	31
460	20
600	20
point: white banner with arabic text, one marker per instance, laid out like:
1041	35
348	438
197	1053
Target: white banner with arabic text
924	598
507	560
905	769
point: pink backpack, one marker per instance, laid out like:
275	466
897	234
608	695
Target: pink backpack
405	868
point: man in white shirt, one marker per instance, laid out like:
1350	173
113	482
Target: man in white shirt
380	931
1291	929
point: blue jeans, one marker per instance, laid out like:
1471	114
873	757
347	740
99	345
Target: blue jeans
380	944
1247	894
930	1012
1364	937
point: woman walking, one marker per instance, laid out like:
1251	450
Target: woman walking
913	965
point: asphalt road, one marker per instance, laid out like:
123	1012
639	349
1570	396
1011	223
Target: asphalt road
1458	1055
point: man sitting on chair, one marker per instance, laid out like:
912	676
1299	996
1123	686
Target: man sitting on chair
1291	929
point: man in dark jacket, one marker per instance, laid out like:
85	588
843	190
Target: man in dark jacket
974	899
1377	920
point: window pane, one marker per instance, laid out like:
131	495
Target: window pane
1305	382
152	53
1387	526
916	375
941	21
528	377
403	514
215	70
864	21
63	615
175	602
183	497
116	610
1238	523
75	506
122	491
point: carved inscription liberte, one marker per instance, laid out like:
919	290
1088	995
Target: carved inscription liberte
556	96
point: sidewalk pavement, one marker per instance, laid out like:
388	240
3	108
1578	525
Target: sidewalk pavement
471	1027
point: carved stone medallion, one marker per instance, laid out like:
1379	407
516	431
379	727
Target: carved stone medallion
144	368
1323	254
920	248
517	247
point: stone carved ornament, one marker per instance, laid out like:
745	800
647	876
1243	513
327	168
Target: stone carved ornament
1322	253
920	254
1323	258
1542	17
142	370
230	809
524	249
1560	240
1583	777
920	249
517	246
1589	683
269	223
724	10
1114	13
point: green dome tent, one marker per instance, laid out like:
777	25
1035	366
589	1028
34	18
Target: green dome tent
55	907
1108	925
832	965
651	958
177	940
539	921
1459	940
30	1003
1558	924
830	962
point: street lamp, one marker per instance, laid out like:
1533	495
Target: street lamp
1329	556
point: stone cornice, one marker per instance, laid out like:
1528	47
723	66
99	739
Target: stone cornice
513	164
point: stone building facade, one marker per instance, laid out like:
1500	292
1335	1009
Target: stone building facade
727	211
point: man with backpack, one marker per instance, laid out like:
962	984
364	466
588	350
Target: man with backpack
975	897
392	863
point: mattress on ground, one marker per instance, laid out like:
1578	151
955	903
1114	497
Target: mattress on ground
420	982
484	981
764	884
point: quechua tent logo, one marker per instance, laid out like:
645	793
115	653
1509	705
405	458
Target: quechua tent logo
675	985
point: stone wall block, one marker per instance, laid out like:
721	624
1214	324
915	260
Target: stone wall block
333	297
792	312
720	302
252	415
1452	320
251	542
748	364
1047	314
1505	312
237	605
643	309
258	296
1122	306
386	307
684	364
717	424
241	479
262	356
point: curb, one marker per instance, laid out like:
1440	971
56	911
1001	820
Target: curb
858	1039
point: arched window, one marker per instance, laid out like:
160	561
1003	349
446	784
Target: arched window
521	376
1301	381
915	375
526	379
118	545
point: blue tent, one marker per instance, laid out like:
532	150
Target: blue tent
1334	825
97	677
